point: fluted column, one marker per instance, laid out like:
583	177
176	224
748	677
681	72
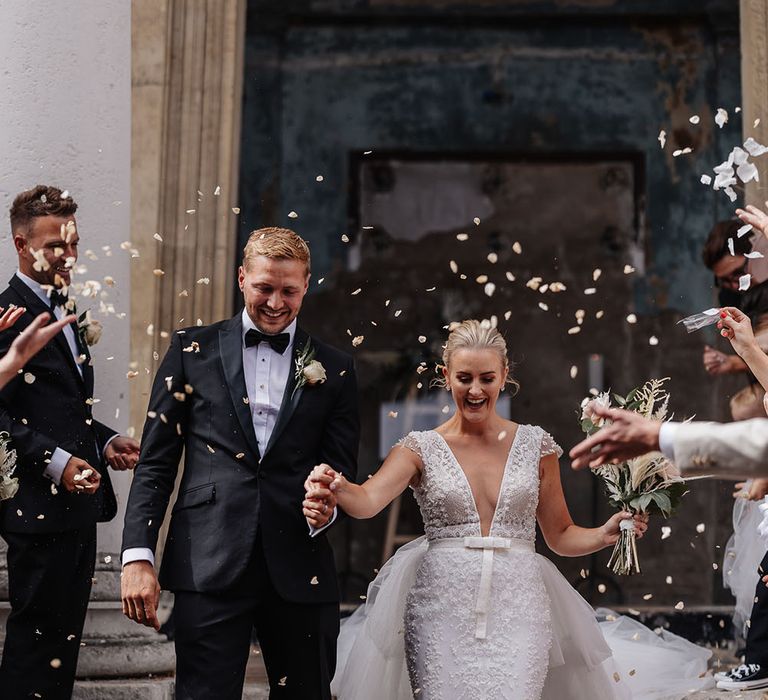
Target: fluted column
187	87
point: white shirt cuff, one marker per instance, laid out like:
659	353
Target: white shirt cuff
316	531
106	444
138	554
56	466
667	439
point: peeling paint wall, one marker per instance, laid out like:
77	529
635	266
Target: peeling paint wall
504	81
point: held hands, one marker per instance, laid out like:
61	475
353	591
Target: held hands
140	593
612	527
321	487
80	477
122	453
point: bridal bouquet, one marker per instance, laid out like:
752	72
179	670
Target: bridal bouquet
8	484
640	485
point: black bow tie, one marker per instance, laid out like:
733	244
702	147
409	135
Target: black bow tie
277	342
58	299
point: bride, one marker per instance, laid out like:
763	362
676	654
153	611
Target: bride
471	610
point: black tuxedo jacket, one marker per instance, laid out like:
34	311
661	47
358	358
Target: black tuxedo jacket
228	488
50	412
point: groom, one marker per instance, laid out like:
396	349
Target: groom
254	404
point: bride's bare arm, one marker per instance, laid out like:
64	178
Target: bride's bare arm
562	536
400	468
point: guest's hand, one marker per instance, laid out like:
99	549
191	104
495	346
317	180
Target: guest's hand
10	315
756	217
612	528
716	362
758	489
30	341
628	435
736	326
140	593
122	453
80	477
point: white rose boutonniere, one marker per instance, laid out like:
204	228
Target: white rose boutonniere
314	373
308	369
90	329
8	484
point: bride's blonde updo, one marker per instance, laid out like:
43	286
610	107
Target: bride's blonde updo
477	335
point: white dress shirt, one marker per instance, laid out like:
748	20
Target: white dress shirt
266	373
266	376
60	457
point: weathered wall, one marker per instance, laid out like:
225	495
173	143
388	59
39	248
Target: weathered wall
504	81
66	120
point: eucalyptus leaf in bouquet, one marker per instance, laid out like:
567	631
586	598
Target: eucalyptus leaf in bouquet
639	485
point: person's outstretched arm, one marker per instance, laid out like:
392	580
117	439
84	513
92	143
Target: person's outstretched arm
29	342
736	326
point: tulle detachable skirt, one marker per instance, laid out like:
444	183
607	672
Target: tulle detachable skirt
743	553
614	660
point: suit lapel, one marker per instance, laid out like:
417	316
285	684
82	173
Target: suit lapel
35	306
291	395
231	352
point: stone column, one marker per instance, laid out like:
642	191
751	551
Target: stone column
187	93
754	102
754	88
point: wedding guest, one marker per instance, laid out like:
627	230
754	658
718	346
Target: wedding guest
64	489
253	402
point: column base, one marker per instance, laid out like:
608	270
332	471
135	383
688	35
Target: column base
128	689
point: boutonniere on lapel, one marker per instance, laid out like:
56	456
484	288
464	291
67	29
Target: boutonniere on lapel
89	329
308	369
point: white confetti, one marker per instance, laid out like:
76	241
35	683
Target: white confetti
694	119
489	289
662	138
574	371
517	248
631	318
706	180
744	282
743	231
293	215
721	117
653	340
476	220
700	528
731	249
628	269
666	531
754	255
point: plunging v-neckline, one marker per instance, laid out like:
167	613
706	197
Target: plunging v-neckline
469	486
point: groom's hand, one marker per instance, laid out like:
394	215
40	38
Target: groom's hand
140	593
320	500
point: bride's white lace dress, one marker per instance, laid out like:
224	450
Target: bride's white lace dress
478	617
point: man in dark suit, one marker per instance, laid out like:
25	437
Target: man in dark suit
254	403
64	488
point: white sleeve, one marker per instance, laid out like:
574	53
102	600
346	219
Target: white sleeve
138	554
316	531
56	466
667	439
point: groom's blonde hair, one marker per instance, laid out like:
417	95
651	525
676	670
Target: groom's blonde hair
478	335
276	243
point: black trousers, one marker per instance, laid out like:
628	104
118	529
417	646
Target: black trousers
757	633
49	582
213	640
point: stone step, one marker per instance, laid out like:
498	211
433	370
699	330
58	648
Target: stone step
716	694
